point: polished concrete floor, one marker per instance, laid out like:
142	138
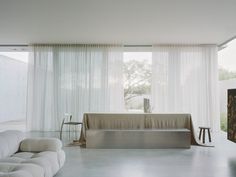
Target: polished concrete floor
218	161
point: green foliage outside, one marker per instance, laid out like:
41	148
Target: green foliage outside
137	81
223	122
224	74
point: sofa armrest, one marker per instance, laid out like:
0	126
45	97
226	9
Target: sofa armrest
40	144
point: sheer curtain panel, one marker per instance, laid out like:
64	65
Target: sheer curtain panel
73	79
185	79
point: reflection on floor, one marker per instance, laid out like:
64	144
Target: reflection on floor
219	161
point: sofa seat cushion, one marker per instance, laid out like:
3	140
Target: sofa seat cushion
18	157
61	157
42	163
20	170
12	160
48	160
24	155
19	173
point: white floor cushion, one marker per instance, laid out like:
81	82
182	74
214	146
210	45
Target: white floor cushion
45	164
12	160
51	157
19	173
24	155
23	169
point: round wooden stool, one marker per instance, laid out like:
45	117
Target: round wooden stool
202	132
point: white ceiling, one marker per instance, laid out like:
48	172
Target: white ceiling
139	22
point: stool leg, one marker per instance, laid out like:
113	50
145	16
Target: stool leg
200	134
209	135
203	140
69	132
61	130
76	132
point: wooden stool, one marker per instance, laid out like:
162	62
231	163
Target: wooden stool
202	130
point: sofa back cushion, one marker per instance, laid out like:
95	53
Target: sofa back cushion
10	142
40	144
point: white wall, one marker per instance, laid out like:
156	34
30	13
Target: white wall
13	84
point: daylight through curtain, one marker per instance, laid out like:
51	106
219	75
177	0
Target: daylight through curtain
73	79
185	79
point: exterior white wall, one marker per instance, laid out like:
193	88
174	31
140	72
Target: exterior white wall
13	89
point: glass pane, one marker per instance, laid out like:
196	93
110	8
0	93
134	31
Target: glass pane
137	79
227	77
13	90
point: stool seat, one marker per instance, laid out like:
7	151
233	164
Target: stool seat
204	127
202	134
73	123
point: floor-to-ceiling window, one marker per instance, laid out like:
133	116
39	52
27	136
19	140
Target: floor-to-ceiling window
137	79
227	77
137	72
13	90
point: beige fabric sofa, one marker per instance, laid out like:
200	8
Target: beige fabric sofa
31	157
137	130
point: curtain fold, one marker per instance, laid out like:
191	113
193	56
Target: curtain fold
73	79
184	80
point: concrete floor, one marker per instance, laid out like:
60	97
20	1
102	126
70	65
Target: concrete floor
219	161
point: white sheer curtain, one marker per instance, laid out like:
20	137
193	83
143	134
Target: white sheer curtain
73	79
185	79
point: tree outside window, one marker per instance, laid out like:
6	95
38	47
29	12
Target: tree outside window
137	79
